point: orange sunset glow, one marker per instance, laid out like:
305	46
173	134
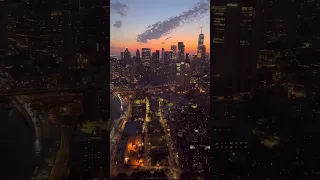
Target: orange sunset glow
147	22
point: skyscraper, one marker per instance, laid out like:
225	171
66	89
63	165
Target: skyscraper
157	55
182	73
201	54
162	54
234	50
146	57
200	44
138	54
174	52
181	50
137	59
127	56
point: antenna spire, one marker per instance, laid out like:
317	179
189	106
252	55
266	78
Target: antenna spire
201	28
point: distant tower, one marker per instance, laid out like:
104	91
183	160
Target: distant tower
162	54
181	50
174	52
200	44
127	56
138	59
181	74
138	54
157	55
146	56
122	55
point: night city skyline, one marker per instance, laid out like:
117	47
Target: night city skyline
159	90
137	16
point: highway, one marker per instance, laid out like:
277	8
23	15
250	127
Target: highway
173	159
60	167
115	137
20	107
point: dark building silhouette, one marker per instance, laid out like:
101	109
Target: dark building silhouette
88	157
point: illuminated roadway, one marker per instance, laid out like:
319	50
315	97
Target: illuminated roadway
115	137
173	159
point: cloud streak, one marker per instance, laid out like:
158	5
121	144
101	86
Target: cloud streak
166	40
119	8
118	24
163	28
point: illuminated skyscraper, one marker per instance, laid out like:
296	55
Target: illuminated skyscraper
182	69
181	51
200	44
201	54
174	52
146	57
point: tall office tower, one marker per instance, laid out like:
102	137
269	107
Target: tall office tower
204	52
12	14
188	72
308	14
58	30
167	55
146	65
92	102
202	61
282	25
127	56
201	54
162	54
181	51
122	55
146	57
235	51
8	17
138	59
182	76
174	52
88	154
200	44
91	23
234	48
153	57
138	54
157	55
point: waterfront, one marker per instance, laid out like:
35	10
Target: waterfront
115	108
18	154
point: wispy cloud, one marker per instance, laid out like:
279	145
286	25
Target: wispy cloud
166	40
163	28
118	24
119	8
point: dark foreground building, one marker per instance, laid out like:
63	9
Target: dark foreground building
88	157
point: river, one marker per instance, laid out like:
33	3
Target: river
115	108
17	138
17	153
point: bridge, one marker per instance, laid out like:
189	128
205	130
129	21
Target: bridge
76	89
82	88
147	89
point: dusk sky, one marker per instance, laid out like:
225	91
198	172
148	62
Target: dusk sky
130	18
